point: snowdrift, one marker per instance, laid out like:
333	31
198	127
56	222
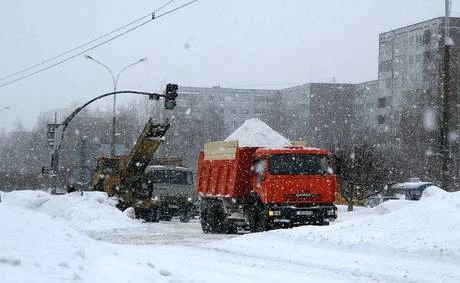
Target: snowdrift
429	227
41	240
37	247
90	211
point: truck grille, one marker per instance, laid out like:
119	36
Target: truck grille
301	197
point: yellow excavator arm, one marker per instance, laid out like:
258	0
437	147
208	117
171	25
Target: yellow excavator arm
142	153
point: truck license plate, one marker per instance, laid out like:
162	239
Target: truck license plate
304	212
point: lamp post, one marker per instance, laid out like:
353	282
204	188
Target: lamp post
115	82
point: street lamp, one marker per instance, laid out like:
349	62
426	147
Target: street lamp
115	82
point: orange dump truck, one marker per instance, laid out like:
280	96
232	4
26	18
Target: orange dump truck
257	188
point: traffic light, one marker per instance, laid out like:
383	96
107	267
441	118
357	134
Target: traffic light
170	96
50	134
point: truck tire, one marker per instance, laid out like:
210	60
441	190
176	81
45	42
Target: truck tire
257	220
205	225
256	215
166	218
152	215
213	219
185	216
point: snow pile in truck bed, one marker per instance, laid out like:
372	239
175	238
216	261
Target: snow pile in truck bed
254	132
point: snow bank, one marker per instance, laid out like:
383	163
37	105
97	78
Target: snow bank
429	227
36	247
90	211
254	132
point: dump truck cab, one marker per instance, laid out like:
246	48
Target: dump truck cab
293	175
295	185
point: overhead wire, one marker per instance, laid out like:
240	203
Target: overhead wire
152	15
84	44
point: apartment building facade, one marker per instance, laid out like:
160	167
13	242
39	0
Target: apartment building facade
398	110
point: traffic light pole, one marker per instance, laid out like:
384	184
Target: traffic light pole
60	128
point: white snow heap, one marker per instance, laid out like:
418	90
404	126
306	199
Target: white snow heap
254	132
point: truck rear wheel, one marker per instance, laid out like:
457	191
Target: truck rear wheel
205	225
213	219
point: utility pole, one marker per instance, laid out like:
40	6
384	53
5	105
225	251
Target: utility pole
445	98
83	161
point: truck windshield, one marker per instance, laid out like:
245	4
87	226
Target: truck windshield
297	164
172	177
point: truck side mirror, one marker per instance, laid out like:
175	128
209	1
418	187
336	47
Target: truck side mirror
258	167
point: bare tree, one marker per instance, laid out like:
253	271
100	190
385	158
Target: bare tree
362	171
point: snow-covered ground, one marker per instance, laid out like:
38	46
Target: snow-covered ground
74	238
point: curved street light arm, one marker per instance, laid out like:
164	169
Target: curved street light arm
107	68
76	111
122	70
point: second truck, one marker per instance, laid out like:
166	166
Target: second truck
172	192
257	188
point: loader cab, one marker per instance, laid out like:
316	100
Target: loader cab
108	166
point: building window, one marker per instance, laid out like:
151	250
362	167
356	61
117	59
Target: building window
427	37
418	59
411	41
419	40
385	66
388	83
381	102
381	119
411	61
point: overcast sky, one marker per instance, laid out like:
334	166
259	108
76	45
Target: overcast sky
232	43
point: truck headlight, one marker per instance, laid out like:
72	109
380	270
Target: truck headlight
274	213
156	198
331	212
189	199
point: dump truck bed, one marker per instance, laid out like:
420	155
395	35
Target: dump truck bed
224	171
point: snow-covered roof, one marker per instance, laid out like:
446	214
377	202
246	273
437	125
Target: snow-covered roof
410	185
255	133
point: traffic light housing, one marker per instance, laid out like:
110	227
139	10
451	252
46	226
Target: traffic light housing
170	96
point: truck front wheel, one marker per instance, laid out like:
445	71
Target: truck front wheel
257	220
153	215
185	216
